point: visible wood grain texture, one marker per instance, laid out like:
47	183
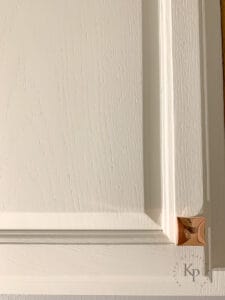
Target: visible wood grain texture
76	221
71	110
187	107
104	270
20	297
71	106
167	111
151	111
38	297
96	269
147	269
73	114
84	237
213	75
100	297
222	4
181	112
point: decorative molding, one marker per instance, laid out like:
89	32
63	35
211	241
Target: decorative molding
155	237
191	231
20	227
141	269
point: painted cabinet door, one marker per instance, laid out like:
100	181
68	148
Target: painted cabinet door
111	129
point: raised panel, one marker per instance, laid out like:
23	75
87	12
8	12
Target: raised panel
80	116
71	106
180	116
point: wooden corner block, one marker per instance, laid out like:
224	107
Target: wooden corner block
191	231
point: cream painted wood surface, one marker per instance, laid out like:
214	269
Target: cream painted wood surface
38	297
80	91
98	298
71	106
72	154
72	116
94	298
186	158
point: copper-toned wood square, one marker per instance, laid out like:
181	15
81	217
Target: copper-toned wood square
191	231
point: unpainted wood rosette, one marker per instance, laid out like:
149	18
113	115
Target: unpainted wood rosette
191	231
